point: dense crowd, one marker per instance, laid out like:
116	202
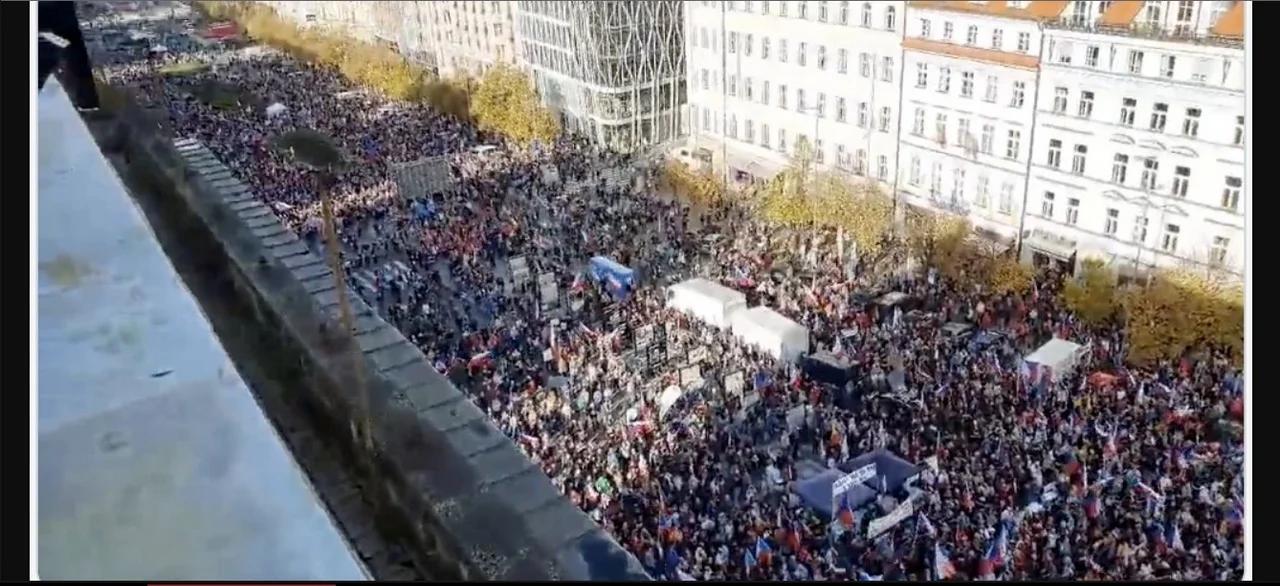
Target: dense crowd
1140	479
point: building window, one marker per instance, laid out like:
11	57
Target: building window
982	197
749	131
782	8
915	171
1024	42
822	105
866	14
1014	145
764	7
764	92
864	65
706	120
1060	100
940	128
992	83
971	37
882	167
924	27
1055	153
944	80
733	127
1239	136
957	185
782	132
1140	229
1077	160
1128	111
863	114
885	116
1158	116
948	28
1150	170
819	153
1046	205
822	58
733	86
1191	124
988	138
800	107
1091	56
842	61
1073	211
746	49
1119	168
1135	62
733	43
1112	222
842	157
860	162
1153	15
1170	243
706	79
822	11
917	125
1231	194
1019	93
890	19
1167	64
782	96
748	89
840	110
997	39
782	49
962	133
1218	253
886	69
1006	198
922	75
803	10
1086	104
935	180
703	37
844	12
800	52
966	84
764	48
1181	177
764	128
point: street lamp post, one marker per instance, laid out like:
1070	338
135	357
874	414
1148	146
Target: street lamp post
323	159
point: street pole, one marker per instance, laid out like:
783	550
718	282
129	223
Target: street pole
324	180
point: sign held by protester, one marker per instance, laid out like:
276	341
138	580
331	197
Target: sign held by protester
859	476
887	522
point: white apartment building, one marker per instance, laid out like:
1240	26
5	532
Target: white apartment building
969	101
1139	140
472	36
403	26
613	70
765	74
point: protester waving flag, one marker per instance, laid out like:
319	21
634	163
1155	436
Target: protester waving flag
943	569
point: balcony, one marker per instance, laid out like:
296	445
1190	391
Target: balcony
1147	32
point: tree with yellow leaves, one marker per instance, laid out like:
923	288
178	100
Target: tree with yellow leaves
1005	275
937	240
861	213
696	186
506	103
1091	295
1180	311
789	197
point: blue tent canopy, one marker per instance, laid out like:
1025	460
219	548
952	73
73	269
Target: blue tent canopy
618	278
815	492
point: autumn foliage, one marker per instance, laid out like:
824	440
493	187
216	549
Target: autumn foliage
1092	295
507	103
699	186
1182	311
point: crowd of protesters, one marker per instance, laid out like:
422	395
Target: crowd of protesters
1138	478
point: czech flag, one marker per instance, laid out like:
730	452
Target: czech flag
1092	508
943	569
845	514
763	552
998	551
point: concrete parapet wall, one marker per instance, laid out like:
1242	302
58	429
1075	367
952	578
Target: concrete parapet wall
468	503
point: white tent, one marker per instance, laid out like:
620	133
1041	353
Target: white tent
1060	356
772	332
276	109
708	301
668	399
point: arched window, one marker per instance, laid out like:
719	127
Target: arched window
866	14
890	18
